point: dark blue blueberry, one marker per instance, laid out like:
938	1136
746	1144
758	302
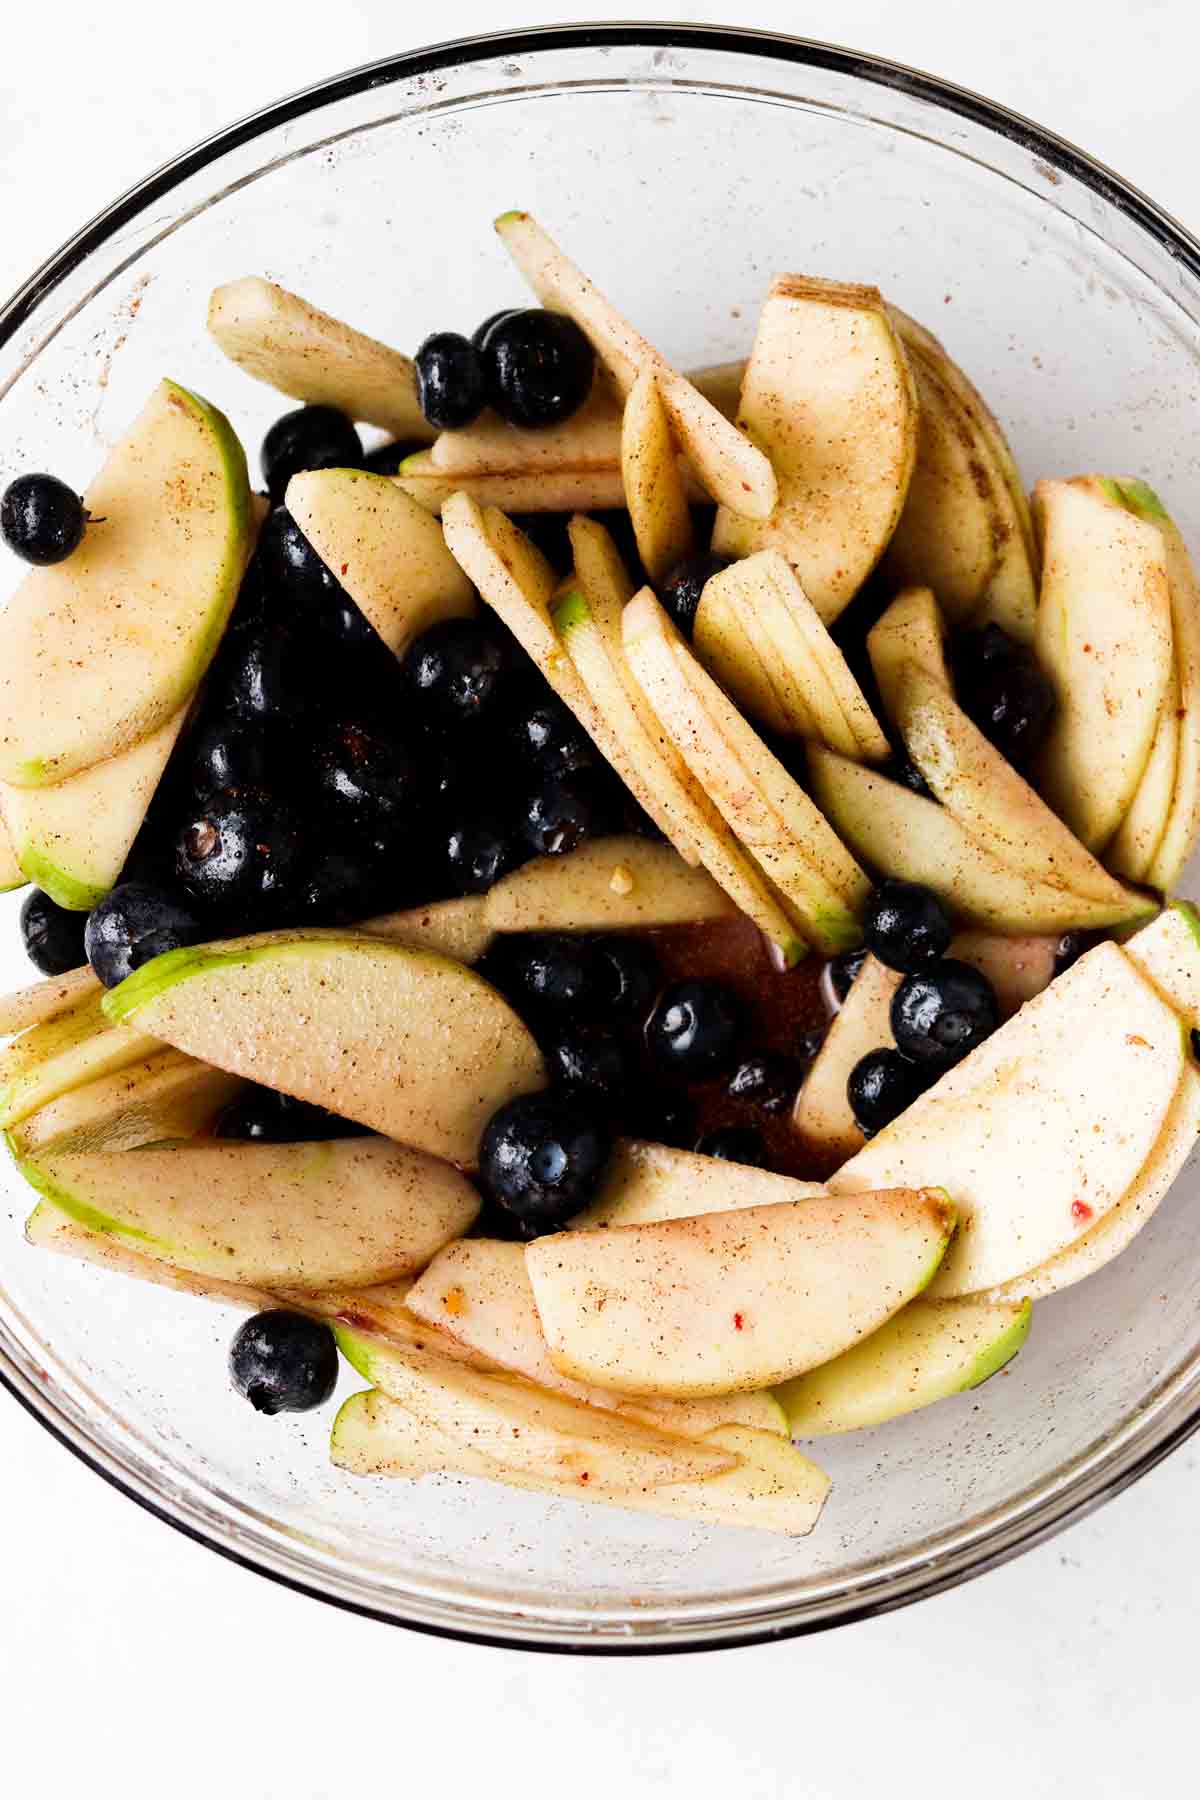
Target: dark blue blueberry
41	518
477	850
53	937
460	673
543	1157
134	924
283	1362
769	1081
480	332
592	1060
906	926
842	971
734	1143
696	1029
550	974
941	1014
684	585
1002	688
630	977
549	738
881	1085
265	673
264	1116
905	773
238	858
311	437
368	781
662	1116
537	366
305	590
450	381
564	812
230	752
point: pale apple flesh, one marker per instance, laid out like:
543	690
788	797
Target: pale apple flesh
46	1000
66	1052
166	1095
655	493
454	928
645	1183
1167	953
823	1117
621	883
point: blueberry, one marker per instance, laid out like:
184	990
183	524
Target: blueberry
564	812
480	333
339	887
53	937
132	925
939	1015
282	1362
1001	687
543	1157
769	1081
734	1143
843	969
593	1061
305	588
629	976
808	1045
903	771
662	1116
696	1029
881	1085
264	1116
1069	949
387	458
368	780
311	437
238	857
230	752
459	672
906	926
549	974
41	518
451	387
538	367
1195	1042
477	851
549	738
264	673
684	585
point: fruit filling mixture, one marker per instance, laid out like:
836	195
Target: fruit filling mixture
569	903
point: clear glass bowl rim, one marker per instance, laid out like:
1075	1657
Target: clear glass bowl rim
1171	1414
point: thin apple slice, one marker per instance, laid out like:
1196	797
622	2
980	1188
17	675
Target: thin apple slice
1101	1242
645	1183
408	1042
911	630
829	394
528	1429
295	348
478	1291
1104	635
382	1311
733	1300
731	468
823	1116
384	549
456	928
1077	1087
931	1350
165	1095
655	492
1131	849
903	834
561	490
64	1054
47	1228
1167	953
11	873
46	1000
73	839
611	884
588	442
82	678
735	650
330	1215
759	800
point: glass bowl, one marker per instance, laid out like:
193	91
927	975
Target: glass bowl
682	168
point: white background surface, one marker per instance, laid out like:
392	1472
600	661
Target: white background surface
133	1662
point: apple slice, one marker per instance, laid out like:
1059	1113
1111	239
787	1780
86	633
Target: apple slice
85	675
64	1054
1112	1234
49	1229
384	549
611	884
1131	849
478	1291
165	1095
46	1000
903	834
405	1041
829	394
382	1311
74	839
1077	1087
11	873
655	491
528	1429
1167	953
646	1182
731	468
295	348
734	648
823	1116
933	1349
560	490
345	1213
455	928
733	1300
911	630
1104	637
771	813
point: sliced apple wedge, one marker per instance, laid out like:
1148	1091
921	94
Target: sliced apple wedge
456	928
82	678
405	1041
64	1054
562	490
731	468
646	1182
384	549
295	348
1167	953
11	873
726	1301
74	839
655	492
47	1228
931	1350
829	394
1104	636
588	442
166	1095
611	884
823	1116
734	648
911	630
1077	1086
1132	847
382	1311
46	1000
345	1213
903	834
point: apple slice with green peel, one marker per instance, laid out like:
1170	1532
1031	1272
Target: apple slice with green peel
903	834
47	1228
611	884
46	1000
1076	1086
100	651
733	648
931	1350
64	1054
1167	953
1104	636
385	550
562	490
74	839
282	340
11	873
823	1116
759	800
166	1095
526	1428
478	1290
408	1042
645	1183
325	1215
731	468
829	394
655	491
456	928
382	1311
911	631
1131	849
732	1300
1019	968
1100	1243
